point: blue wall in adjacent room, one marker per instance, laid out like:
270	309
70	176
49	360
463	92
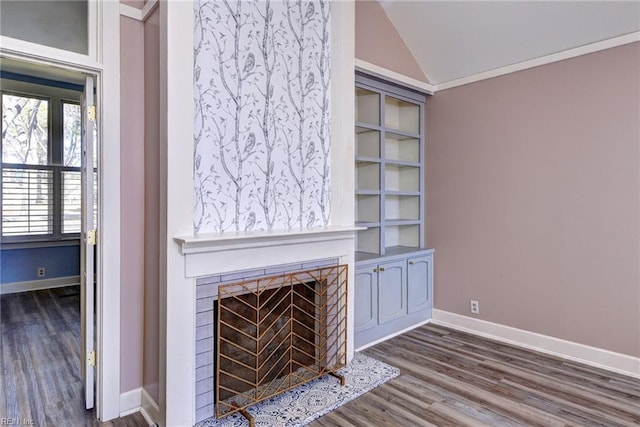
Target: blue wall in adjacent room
20	265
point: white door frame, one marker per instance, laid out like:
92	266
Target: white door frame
103	62
87	244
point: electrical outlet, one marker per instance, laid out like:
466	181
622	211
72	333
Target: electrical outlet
475	307
41	272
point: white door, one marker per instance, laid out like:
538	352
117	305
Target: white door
87	253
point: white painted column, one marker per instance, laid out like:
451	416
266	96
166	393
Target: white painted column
342	134
108	297
177	293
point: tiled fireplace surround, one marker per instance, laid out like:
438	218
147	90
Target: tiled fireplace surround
216	259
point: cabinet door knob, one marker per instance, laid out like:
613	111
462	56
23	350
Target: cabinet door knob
375	270
411	263
381	268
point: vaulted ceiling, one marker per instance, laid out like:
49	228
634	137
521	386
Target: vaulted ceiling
456	39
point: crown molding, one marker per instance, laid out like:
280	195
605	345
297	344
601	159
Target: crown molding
148	8
543	60
393	76
130	12
139	14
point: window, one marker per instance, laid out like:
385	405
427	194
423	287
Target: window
41	159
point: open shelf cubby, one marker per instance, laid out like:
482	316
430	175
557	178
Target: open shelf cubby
367	107
401	208
401	178
367	142
367	208
401	147
369	240
367	175
402	235
401	115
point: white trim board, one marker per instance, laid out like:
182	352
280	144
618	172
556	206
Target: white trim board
130	402
130	12
108	273
177	293
148	8
395	334
138	400
139	14
35	285
150	409
543	60
592	356
393	76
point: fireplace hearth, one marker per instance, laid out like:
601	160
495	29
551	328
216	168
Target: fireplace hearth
275	333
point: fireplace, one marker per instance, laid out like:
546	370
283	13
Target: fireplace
277	332
317	285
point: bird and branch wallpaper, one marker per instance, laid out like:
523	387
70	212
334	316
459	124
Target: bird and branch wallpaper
262	122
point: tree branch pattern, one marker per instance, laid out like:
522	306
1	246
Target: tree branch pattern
262	122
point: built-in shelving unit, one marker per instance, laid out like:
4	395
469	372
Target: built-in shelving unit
389	134
394	272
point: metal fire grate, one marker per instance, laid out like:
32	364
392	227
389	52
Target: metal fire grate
278	332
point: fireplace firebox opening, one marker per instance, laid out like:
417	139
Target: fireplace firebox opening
275	333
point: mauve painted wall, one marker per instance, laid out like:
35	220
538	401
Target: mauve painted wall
533	199
152	204
132	202
378	42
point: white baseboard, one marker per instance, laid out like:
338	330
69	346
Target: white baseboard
593	356
150	409
35	285
130	402
138	400
395	334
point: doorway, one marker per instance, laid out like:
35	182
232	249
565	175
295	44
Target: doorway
49	206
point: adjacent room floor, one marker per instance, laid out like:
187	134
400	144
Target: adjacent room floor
40	381
450	378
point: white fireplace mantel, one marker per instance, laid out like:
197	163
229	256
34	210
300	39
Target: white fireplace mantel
207	254
213	242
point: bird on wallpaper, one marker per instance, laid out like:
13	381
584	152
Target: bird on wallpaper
311	79
250	142
310	9
249	62
251	221
311	149
311	219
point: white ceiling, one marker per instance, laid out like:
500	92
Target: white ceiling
455	39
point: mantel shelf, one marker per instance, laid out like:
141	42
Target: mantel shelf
214	242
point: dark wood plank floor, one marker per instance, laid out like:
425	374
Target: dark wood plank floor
40	382
450	378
